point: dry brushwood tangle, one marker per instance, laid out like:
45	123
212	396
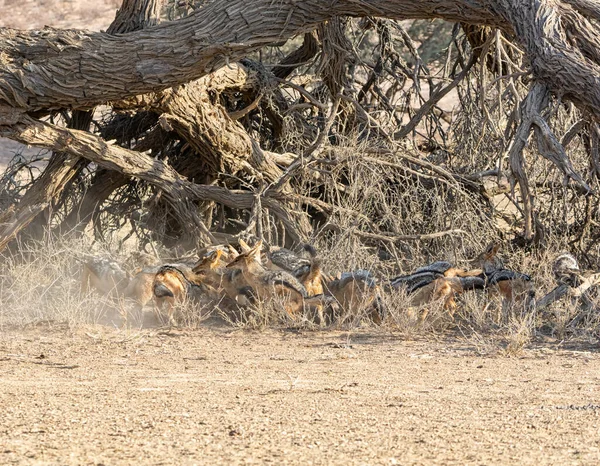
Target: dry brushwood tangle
206	128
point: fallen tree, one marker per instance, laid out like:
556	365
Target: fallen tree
209	129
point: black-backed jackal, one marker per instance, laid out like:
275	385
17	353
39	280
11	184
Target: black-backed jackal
512	286
357	292
139	288
138	260
171	286
267	284
103	275
226	253
286	260
212	270
306	270
164	285
310	273
446	289
439	281
488	259
280	259
427	274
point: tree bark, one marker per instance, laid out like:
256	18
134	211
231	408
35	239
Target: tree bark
57	180
38	197
135	15
53	69
47	70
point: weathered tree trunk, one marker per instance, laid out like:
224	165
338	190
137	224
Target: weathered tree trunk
138	165
53	69
50	184
135	15
80	119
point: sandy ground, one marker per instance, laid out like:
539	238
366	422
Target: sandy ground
218	396
71	14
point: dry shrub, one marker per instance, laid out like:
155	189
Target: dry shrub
42	283
519	334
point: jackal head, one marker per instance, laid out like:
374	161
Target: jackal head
208	262
206	271
245	259
488	260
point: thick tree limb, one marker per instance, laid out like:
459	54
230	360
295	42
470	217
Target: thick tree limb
517	167
562	54
57	69
298	57
178	190
135	15
549	147
206	125
224	144
37	198
589	8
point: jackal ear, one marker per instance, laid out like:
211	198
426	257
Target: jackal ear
491	250
495	249
256	250
199	265
244	246
232	251
215	257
